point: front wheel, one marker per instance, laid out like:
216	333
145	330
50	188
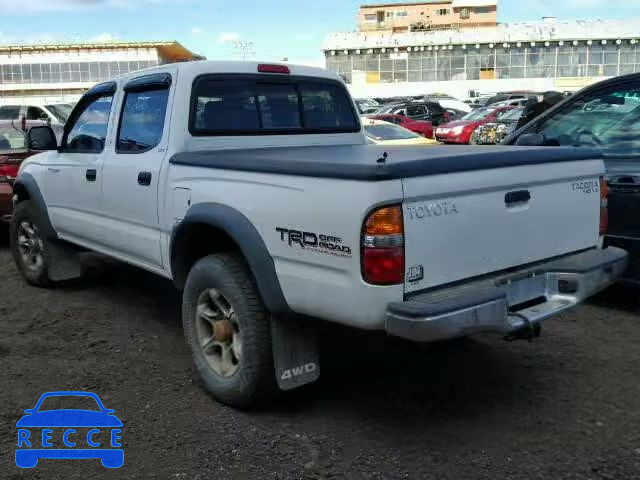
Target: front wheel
29	245
228	329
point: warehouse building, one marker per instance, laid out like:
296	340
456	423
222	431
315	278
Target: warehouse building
61	73
544	55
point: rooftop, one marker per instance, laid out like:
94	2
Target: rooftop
171	50
402	4
453	3
505	32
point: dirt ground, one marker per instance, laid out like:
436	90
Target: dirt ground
564	407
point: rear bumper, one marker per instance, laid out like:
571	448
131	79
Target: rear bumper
6	202
492	304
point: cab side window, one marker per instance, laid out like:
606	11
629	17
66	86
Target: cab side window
35	113
142	121
89	132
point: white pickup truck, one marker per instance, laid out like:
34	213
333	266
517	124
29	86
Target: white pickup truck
253	188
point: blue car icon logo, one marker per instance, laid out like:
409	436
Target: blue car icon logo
90	432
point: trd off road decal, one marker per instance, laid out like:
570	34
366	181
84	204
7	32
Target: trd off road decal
314	241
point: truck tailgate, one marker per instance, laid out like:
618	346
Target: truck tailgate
462	225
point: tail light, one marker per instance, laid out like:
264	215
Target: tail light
604	212
8	171
383	246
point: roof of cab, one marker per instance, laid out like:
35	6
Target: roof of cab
196	68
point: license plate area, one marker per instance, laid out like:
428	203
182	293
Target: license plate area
524	290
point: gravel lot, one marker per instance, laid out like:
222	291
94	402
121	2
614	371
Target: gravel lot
564	407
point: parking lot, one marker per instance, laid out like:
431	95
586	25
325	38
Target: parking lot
564	407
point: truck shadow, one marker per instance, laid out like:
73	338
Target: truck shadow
622	297
4	237
393	379
363	373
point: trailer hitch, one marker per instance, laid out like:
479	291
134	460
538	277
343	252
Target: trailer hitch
529	332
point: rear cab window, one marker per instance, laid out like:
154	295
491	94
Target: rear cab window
263	105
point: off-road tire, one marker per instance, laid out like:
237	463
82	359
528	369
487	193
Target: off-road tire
39	277
253	383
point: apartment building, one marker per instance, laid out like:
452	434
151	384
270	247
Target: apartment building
427	15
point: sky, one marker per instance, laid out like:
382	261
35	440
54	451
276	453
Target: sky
270	30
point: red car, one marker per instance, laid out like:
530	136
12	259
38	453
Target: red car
13	150
421	127
459	131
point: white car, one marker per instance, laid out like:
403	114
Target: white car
252	188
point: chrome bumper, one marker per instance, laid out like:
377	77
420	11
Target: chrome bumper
501	303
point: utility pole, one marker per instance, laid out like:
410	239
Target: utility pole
245	49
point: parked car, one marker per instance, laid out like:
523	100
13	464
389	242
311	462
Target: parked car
54	114
495	132
452	114
516	102
605	116
367	105
13	150
460	131
386	133
272	214
429	111
505	96
449	103
421	127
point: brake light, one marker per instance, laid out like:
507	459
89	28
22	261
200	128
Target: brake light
383	246
270	68
8	171
604	203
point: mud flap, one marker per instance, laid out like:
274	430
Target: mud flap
295	352
64	262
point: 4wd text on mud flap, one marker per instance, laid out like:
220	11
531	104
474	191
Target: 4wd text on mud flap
432	210
298	371
314	241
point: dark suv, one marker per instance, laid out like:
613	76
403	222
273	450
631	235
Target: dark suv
429	111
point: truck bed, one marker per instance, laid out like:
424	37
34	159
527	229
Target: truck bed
361	162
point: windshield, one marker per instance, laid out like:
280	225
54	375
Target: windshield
608	120
512	115
478	114
61	111
11	139
381	132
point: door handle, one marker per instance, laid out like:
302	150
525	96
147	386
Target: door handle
53	170
91	175
144	178
520	196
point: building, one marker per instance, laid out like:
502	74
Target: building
61	73
545	55
426	16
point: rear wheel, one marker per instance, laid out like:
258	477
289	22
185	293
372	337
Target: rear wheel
29	245
228	329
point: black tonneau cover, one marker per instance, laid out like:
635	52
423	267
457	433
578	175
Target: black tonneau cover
368	162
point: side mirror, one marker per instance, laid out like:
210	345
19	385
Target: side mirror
29	411
109	411
41	138
530	140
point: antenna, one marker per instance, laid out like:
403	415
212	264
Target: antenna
245	49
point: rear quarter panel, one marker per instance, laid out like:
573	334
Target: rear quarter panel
315	281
